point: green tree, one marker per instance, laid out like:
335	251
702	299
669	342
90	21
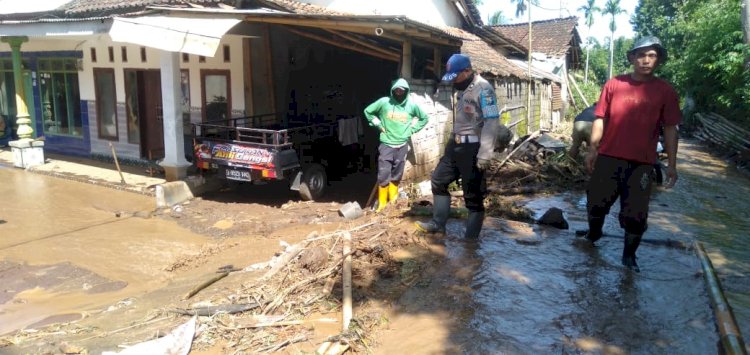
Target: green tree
745	19
707	52
497	19
588	9
654	17
599	59
612	7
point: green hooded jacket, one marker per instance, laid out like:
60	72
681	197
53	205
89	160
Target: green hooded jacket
397	118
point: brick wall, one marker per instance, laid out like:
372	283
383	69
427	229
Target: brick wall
427	145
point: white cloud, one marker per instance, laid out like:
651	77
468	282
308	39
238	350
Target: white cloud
26	6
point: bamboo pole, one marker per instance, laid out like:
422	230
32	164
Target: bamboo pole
572	97
117	163
347	283
572	80
205	284
730	336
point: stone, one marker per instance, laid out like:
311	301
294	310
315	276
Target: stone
554	217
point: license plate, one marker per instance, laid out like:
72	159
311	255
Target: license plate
241	175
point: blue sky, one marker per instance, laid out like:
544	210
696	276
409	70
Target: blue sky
549	9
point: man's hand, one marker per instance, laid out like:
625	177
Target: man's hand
590	159
377	123
671	177
483	164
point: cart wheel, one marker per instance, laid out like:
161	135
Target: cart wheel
313	183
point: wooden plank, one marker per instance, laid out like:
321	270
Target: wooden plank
342	45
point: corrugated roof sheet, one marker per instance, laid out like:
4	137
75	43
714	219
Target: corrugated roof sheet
552	37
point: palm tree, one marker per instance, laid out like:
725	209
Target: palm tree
496	19
612	7
588	13
520	7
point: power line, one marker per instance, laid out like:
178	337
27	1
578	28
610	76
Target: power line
551	9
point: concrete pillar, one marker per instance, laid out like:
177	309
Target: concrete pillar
174	163
26	151
23	120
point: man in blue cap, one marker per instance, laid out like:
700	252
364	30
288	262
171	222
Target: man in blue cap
476	122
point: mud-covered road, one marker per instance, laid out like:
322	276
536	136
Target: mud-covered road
98	260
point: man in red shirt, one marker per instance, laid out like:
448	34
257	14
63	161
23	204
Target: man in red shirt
631	110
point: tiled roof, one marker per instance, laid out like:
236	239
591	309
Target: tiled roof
111	6
81	6
473	12
484	58
552	37
299	7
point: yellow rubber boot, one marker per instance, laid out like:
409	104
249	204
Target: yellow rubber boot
392	192
382	198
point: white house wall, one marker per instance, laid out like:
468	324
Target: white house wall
46	45
101	44
433	12
153	62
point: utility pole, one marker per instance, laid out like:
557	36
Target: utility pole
531	80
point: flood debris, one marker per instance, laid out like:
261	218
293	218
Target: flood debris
304	279
536	163
351	210
209	311
177	342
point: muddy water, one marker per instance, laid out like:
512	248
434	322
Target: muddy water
553	293
710	204
68	248
538	290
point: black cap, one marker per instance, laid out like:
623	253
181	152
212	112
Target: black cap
650	41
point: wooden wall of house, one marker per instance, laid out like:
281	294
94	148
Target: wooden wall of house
511	91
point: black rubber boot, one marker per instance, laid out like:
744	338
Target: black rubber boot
595	229
474	224
632	241
441	207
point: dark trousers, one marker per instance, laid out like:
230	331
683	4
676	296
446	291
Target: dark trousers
460	160
631	182
391	163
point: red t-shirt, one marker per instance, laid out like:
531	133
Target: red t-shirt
633	111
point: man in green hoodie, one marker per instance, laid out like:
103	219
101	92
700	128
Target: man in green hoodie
397	118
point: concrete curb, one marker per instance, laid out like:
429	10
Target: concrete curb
172	193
